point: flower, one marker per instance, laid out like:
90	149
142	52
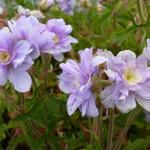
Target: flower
15	61
30	29
131	82
44	4
67	5
27	12
76	80
61	38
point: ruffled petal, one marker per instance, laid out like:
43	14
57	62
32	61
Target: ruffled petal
144	103
126	103
20	79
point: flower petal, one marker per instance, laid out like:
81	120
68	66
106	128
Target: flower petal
20	79
126	104
3	75
144	103
98	60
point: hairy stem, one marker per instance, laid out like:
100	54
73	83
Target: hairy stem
129	122
100	126
110	134
22	101
46	62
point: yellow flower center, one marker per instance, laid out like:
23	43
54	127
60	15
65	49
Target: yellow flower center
4	57
132	76
56	39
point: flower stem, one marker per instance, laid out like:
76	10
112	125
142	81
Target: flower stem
129	122
142	14
10	100
110	134
46	61
100	126
22	101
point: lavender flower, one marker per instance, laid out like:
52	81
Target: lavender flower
67	5
14	61
61	38
27	12
30	29
146	51
76	81
131	82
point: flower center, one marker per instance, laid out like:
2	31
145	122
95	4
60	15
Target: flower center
4	57
132	76
56	39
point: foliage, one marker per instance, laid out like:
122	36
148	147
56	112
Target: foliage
44	123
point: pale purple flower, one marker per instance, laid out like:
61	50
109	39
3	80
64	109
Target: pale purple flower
67	5
61	38
76	80
30	29
130	79
15	61
146	51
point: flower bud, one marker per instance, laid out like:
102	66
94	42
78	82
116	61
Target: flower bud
44	4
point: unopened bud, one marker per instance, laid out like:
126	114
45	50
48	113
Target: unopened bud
44	4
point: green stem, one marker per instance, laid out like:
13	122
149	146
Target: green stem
129	122
46	67
22	101
143	17
100	126
110	134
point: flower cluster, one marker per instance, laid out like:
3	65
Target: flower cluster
23	41
128	75
69	6
76	80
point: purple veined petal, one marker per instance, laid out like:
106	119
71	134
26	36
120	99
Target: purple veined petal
26	65
145	103
69	39
36	52
59	57
105	53
63	87
3	75
86	61
45	42
20	79
126	104
127	55
98	60
144	92
70	66
116	65
146	51
6	39
111	74
21	50
106	97
89	107
141	61
110	94
73	103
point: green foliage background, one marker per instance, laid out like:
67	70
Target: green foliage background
44	124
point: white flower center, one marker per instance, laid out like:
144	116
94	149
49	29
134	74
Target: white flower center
4	57
132	76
